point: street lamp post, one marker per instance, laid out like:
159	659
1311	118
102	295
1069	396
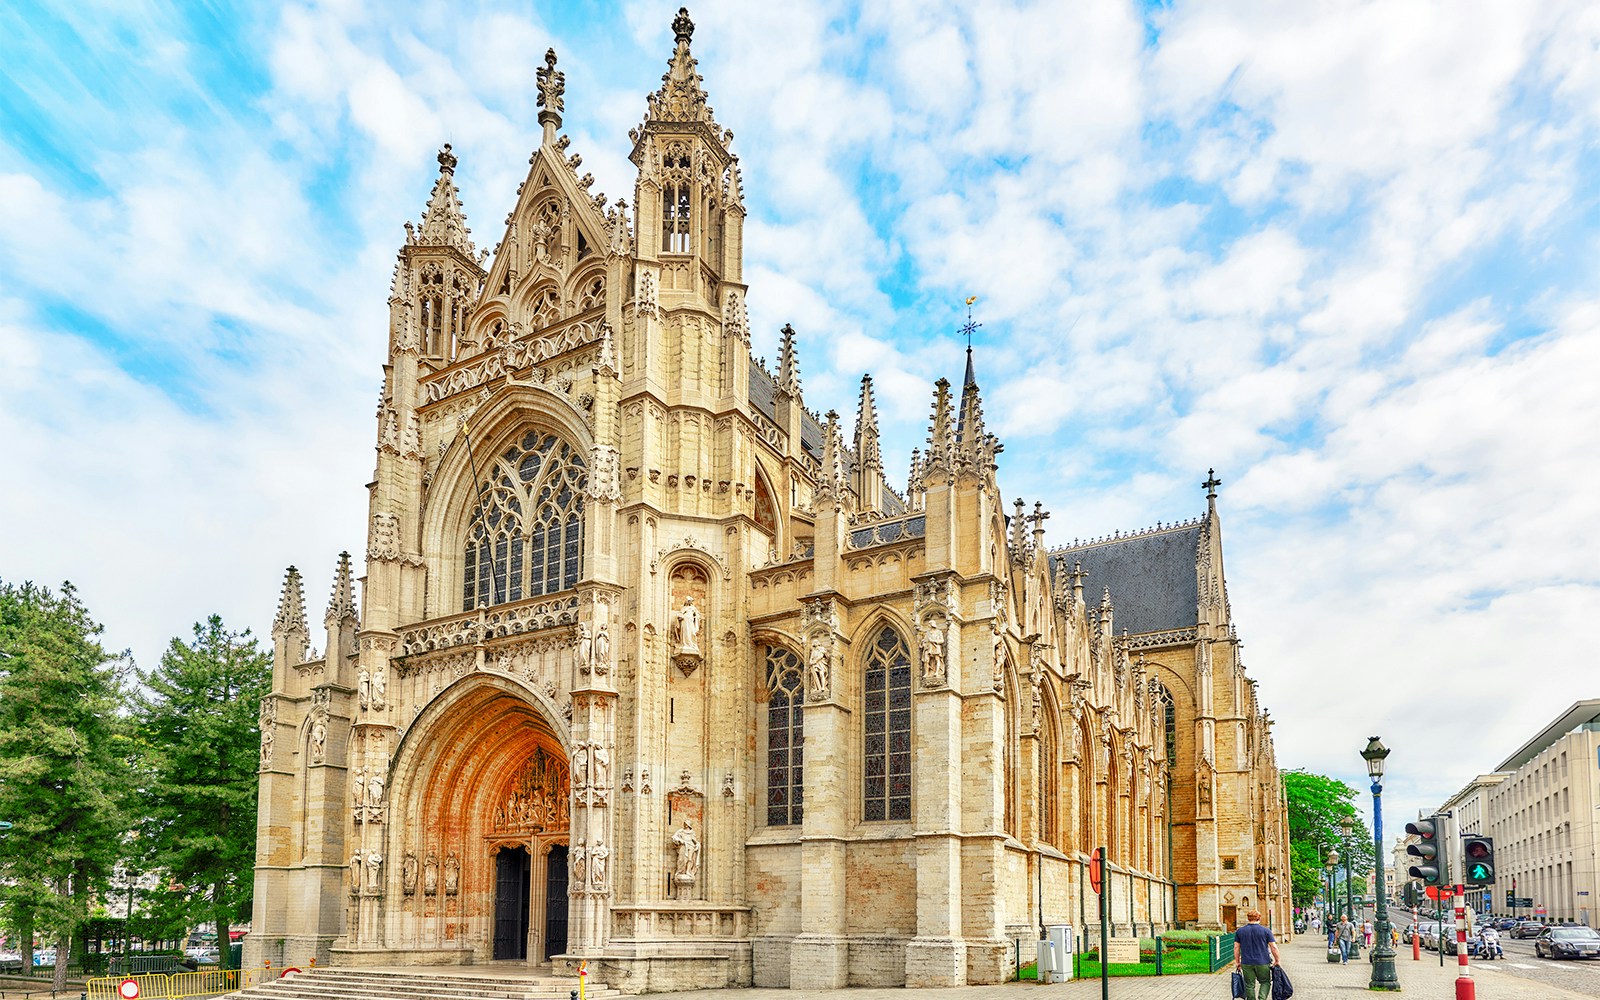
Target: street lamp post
1384	976
1333	904
1345	826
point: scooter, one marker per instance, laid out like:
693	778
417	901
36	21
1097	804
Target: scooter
1485	951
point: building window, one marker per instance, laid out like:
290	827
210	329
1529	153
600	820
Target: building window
1049	781
676	199
785	738
886	788
525	537
1229	863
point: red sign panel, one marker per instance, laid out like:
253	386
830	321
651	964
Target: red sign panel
1435	892
1094	870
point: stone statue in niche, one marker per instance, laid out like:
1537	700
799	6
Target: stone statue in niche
583	650
452	874
319	738
602	650
598	854
686	627
380	689
1203	793
374	872
601	773
430	875
580	765
817	668
356	861
687	847
408	874
364	688
358	788
933	642
580	867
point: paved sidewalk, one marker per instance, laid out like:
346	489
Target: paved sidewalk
1305	960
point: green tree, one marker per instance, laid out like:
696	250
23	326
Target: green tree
1317	804
196	719
63	756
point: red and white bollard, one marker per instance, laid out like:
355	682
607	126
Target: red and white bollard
1465	988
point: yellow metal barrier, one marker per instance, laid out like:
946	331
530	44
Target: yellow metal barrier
203	984
159	986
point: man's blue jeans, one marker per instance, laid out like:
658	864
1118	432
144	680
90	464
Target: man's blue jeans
1344	949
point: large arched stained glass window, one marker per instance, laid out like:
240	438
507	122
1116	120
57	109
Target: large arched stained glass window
525	538
886	756
785	738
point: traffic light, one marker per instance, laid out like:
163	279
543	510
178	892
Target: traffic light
1411	895
1432	865
1477	854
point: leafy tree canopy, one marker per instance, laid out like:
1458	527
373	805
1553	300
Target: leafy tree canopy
63	753
1317	804
196	719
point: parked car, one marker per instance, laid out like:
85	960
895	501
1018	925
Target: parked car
10	962
1527	929
204	956
1567	942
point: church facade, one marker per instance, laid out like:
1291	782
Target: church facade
655	668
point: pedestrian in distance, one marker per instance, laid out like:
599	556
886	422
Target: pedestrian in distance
1255	952
1366	933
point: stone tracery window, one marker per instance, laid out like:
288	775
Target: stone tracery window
676	199
546	308
1049	781
525	537
785	738
886	756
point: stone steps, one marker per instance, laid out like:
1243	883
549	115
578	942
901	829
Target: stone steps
384	984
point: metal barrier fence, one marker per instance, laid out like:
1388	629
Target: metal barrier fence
172	986
1221	951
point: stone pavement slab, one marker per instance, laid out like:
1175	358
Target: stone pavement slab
1305	959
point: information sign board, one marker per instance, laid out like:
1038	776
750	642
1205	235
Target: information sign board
1122	951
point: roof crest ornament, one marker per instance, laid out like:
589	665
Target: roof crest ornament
552	84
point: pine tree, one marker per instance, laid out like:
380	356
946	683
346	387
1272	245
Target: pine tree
196	718
63	756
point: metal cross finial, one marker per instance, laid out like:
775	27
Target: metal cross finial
1211	484
970	328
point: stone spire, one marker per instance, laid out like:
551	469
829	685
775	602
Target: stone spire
682	98
833	483
914	488
866	440
941	435
290	636
291	606
443	221
342	602
788	365
1019	536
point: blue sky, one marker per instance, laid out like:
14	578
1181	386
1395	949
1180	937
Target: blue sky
1345	253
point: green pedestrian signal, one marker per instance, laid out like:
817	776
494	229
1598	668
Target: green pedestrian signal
1478	855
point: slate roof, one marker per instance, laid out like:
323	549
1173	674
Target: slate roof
763	396
1151	576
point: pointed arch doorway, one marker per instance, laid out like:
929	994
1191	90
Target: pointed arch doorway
484	784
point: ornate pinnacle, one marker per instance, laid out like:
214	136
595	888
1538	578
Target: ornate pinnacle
1211	484
447	160
552	84
682	27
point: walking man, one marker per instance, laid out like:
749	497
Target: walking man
1255	952
1347	940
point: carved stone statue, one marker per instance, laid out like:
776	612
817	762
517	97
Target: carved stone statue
358	787
374	872
933	652
355	874
430	875
597	863
408	874
1204	792
817	668
319	739
380	689
687	846
580	868
364	688
601	774
580	765
452	874
686	627
375	787
583	651
602	650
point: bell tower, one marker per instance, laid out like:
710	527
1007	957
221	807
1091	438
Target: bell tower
689	194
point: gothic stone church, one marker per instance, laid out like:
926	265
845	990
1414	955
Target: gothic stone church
654	666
